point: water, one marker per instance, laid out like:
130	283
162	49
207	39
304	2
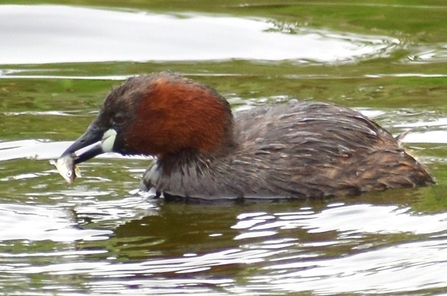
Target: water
100	236
148	36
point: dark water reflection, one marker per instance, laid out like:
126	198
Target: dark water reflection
333	247
101	236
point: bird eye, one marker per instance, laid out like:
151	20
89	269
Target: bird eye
119	118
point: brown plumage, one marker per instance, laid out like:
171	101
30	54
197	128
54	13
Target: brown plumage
294	150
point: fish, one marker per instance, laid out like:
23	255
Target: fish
66	167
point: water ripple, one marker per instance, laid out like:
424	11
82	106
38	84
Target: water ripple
36	223
385	270
185	37
343	248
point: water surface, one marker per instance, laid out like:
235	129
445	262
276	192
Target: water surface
101	236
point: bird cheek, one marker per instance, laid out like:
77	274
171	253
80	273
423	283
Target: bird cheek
108	140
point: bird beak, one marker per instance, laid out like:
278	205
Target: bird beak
94	141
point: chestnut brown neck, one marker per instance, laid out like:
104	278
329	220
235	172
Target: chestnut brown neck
176	114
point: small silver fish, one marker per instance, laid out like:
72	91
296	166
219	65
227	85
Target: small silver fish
66	167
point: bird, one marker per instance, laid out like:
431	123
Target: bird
296	150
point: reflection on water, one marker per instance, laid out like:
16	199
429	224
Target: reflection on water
36	223
339	248
100	236
386	269
92	35
429	54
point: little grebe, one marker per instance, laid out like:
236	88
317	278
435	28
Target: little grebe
296	150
